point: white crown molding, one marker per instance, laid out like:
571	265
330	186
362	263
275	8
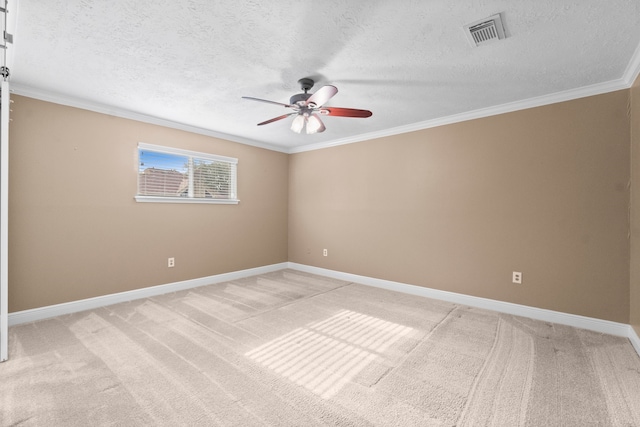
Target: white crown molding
582	322
539	101
633	69
57	98
41	313
625	82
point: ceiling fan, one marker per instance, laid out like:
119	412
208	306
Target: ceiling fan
309	107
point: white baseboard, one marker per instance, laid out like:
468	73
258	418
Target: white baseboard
41	313
589	323
597	325
635	340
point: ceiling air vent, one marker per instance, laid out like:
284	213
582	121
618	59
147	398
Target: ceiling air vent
485	30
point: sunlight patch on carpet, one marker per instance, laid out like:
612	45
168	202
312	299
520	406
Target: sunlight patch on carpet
324	356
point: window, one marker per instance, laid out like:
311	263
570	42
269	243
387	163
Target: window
172	175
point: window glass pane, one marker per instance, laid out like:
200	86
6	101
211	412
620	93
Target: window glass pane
212	179
173	175
162	174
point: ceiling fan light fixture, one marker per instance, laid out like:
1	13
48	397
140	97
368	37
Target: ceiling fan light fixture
314	124
298	123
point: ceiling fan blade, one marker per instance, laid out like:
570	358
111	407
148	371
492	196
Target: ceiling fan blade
267	101
322	95
275	119
345	112
314	124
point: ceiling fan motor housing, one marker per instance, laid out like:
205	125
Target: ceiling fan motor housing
299	97
305	85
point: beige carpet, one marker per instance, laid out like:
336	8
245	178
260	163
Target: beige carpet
294	349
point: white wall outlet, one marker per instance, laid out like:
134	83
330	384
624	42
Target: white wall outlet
325	252
516	277
171	262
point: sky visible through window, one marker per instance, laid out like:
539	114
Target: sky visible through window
154	159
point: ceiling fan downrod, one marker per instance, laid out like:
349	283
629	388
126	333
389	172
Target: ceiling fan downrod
306	84
301	98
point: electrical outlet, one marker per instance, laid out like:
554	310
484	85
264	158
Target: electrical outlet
325	252
516	277
171	262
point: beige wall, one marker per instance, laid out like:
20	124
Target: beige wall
542	191
76	231
458	208
635	207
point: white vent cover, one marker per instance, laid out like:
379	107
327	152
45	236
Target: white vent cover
485	30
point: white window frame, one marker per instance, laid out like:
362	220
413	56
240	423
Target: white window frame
232	200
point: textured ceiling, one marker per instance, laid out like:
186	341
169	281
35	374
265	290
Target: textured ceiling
190	61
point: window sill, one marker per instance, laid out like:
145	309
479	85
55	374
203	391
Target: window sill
156	199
